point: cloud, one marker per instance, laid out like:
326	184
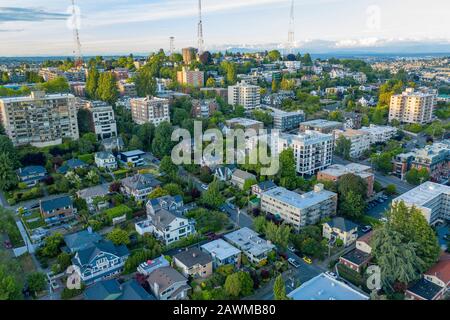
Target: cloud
11	30
8	14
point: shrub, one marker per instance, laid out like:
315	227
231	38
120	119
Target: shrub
118	212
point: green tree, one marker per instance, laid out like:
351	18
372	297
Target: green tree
37	282
157	193
391	189
8	177
352	205
239	284
168	167
279	289
118	237
107	88
274	55
279	235
351	182
135	143
383	162
416	177
9	288
161	144
343	147
212	198
92	83
51	245
259	224
287	173
145	81
57	85
173	189
210	83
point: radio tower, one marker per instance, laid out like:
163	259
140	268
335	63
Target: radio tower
76	37
291	33
172	45
200	28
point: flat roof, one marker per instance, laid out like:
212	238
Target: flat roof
249	241
422	194
308	136
243	121
221	249
133	153
337	170
300	201
321	123
324	287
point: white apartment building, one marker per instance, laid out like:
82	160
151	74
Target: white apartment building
360	141
150	109
103	121
313	151
244	94
39	119
412	106
299	210
432	199
127	89
380	134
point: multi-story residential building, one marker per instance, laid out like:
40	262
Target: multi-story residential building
320	125
239	178
166	283
204	108
150	109
57	210
219	92
134	158
31	175
39	119
102	122
432	199
352	120
360	141
299	210
435	158
286	121
379	134
244	94
195	78
313	151
336	171
100	261
189	55
222	253
127	89
112	289
81	240
105	159
339	228
95	197
173	204
166	226
244	123
412	106
263	186
52	73
194	262
139	186
247	240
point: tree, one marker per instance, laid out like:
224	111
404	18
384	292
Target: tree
51	245
287	173
173	189
161	144
9	288
278	234
416	177
146	133
205	58
145	81
8	177
274	55
343	147
239	284
92	83
210	83
157	193
135	143
383	162
57	85
306	59
7	147
118	237
212	198
352	205
168	167
107	88
259	224
279	289
391	189
412	225
351	182
37	282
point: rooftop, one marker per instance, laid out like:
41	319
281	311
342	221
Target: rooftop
193	256
220	248
57	203
337	170
243	122
442	268
249	241
308	136
421	195
133	153
324	287
300	201
425	289
342	224
321	123
356	256
165	277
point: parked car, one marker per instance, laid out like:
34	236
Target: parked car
291	249
204	186
331	274
307	260
366	229
294	263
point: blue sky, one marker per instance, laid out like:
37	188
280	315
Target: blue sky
39	27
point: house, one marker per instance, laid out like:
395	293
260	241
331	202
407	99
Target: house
100	261
222	253
166	226
194	262
31	175
57	210
253	247
324	287
166	283
169	203
239	178
113	143
149	266
263	186
435	282
342	229
139	186
81	240
223	173
92	194
113	290
355	259
364	243
72	165
134	158
105	159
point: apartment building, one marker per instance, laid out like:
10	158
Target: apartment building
189	54
103	121
244	94
39	119
342	229
195	78
320	125
150	109
204	108
336	171
285	121
244	123
299	210
127	89
313	151
380	134
360	141
218	92
432	199
412	106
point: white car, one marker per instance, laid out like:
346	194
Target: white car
293	262
331	274
291	249
204	186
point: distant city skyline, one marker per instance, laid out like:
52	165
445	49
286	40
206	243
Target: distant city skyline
30	27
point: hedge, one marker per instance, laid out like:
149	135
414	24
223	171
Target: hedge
119	211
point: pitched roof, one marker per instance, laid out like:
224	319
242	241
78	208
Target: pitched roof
425	289
81	239
165	277
96	191
243	175
57	203
86	255
342	224
267	185
31	170
162	218
441	269
104	155
192	257
357	257
141	181
367	238
113	290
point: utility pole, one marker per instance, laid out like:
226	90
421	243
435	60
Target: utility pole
200	29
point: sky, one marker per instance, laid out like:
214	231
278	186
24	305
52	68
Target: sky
43	27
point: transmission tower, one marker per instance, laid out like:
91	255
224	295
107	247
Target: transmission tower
76	37
172	45
200	28
291	33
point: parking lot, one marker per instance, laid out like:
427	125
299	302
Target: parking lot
376	209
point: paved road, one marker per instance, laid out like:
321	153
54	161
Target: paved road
242	220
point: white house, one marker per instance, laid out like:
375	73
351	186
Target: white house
105	159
